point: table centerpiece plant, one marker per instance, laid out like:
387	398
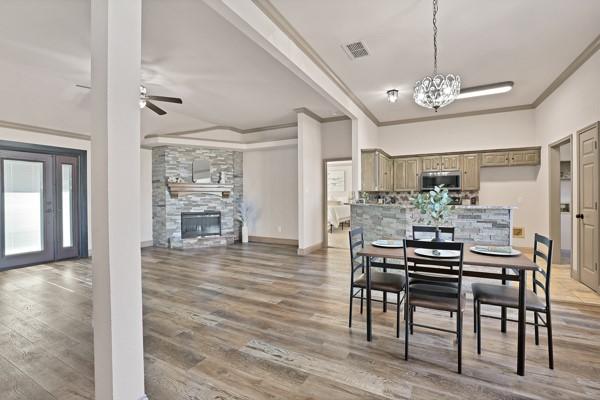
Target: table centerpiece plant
434	207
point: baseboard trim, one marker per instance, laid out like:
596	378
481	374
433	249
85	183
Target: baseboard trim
272	240
147	243
310	249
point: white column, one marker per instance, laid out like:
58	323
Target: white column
118	335
310	185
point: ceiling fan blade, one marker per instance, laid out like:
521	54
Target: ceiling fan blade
167	99
155	108
83	86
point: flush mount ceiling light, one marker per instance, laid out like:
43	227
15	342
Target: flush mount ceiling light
392	95
437	90
486	90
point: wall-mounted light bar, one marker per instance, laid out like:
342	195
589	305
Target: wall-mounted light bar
486	90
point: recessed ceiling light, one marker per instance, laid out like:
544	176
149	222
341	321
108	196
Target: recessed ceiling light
392	95
485	90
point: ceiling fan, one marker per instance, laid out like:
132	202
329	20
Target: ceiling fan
145	99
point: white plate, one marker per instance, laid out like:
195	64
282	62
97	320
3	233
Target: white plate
395	244
440	254
513	253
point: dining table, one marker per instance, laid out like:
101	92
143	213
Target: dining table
488	267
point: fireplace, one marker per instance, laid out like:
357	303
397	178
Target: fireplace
200	224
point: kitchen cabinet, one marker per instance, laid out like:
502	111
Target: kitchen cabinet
376	172
525	157
495	159
431	163
451	162
406	174
470	172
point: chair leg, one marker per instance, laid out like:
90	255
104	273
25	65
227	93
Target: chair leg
406	324
384	301
550	346
398	315
536	328
361	301
474	315
350	312
478	327
411	316
459	319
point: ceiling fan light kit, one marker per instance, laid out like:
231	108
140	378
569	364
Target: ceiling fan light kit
437	90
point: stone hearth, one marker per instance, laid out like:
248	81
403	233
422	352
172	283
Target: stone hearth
176	161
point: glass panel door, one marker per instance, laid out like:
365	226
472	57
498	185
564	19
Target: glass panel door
67	207
26	208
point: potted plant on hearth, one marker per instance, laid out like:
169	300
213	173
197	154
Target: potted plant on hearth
243	216
434	207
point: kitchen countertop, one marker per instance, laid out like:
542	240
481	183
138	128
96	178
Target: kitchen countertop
480	207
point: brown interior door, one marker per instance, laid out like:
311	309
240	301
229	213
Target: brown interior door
67	207
588	207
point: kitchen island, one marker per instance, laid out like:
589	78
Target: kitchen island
483	224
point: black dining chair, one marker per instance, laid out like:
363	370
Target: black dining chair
424	232
507	296
385	282
434	283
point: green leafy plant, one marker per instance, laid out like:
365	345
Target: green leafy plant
434	206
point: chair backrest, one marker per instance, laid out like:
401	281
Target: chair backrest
545	253
357	242
433	271
428	232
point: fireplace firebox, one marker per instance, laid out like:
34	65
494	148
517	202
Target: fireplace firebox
200	224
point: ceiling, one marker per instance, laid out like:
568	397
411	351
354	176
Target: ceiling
188	51
484	41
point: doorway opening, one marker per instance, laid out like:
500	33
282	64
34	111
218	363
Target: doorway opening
338	194
561	200
43	213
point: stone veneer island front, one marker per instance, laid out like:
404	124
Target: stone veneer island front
483	224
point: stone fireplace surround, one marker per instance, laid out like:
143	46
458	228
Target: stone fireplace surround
173	161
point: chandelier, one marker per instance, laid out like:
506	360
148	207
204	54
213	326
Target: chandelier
437	90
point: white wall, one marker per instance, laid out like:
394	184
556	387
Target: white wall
310	182
573	106
82	144
271	190
499	186
337	139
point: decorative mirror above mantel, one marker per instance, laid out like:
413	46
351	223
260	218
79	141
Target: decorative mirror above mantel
201	171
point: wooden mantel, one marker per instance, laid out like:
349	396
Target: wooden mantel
181	189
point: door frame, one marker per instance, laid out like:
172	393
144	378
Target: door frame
324	199
554	198
81	156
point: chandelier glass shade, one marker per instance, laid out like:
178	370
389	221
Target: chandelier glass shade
437	90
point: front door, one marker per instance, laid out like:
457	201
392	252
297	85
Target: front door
26	208
588	207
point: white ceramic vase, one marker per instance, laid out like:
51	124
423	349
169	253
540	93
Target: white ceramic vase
244	233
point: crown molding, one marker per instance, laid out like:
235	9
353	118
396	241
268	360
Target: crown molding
585	55
458	115
313	115
41	129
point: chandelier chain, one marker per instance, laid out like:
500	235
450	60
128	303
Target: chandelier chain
435	31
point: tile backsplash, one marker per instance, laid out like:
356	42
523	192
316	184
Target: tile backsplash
404	197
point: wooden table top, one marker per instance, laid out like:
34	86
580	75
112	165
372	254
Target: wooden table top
469	258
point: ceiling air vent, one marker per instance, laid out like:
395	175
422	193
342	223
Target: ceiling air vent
356	50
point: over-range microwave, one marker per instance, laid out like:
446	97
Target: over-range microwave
450	180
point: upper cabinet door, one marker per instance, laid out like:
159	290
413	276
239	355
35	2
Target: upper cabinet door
451	163
412	174
431	163
399	174
495	159
368	172
525	157
385	173
470	175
